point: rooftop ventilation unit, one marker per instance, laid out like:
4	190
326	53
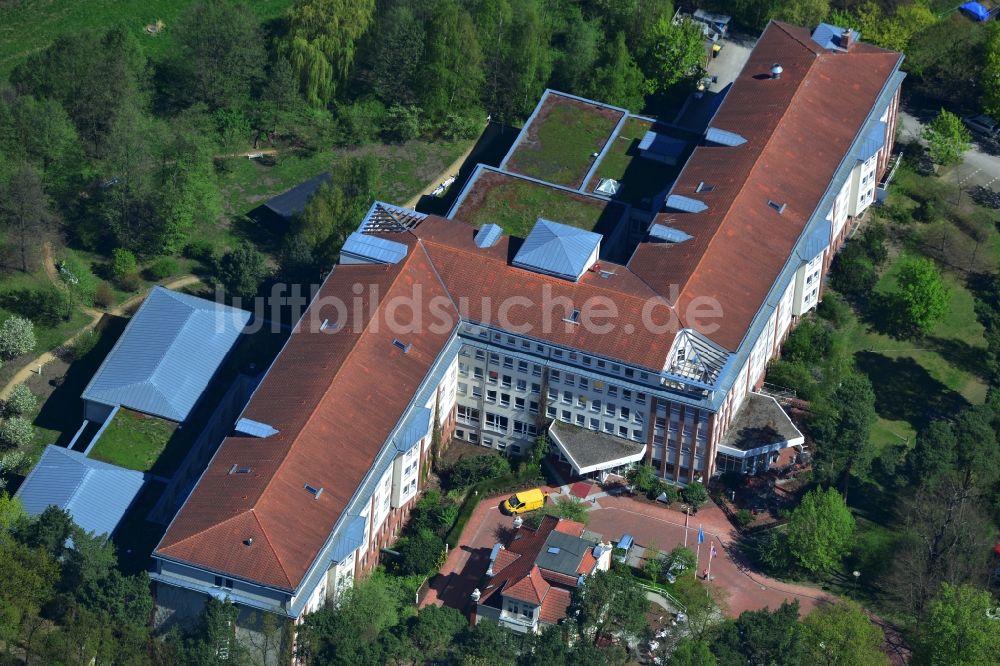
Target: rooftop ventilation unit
776	71
554	550
704	187
686	204
254	428
236	469
488	235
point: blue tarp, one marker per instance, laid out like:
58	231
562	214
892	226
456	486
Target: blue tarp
976	11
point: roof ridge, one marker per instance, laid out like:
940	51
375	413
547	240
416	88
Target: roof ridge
210	528
270	544
784	28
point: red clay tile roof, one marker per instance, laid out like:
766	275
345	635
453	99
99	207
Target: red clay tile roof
798	128
571	527
588	563
555	606
532	588
321	395
503	559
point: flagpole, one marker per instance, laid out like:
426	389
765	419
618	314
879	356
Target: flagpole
687	517
698	552
711	552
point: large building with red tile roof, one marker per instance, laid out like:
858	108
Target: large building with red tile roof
636	314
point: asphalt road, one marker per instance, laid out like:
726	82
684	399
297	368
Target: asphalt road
978	168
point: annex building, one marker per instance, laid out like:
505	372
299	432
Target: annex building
625	295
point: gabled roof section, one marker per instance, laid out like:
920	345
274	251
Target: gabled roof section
531	589
557	249
334	412
167	354
372	249
96	494
291	203
386	218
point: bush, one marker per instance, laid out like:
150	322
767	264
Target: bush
793	375
459	126
130	283
162	268
473	469
16	432
122	263
853	272
402	123
201	250
419	553
360	122
20	401
682	558
104	297
661	487
17	336
810	342
241	270
84	344
695	494
834	310
78	276
642	477
744	517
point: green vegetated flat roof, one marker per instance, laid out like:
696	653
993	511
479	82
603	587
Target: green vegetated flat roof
640	178
516	204
134	440
559	143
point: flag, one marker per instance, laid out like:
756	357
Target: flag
701	534
712	552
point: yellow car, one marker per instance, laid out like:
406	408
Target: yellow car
526	500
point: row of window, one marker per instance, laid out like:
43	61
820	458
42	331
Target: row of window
571	356
472	436
594	424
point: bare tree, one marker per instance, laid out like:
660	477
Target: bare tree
26	211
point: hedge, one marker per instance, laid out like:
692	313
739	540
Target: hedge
528	475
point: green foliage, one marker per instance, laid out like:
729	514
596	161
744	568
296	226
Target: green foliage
641	477
561	507
806	13
449	81
947	138
820	531
25	213
419	553
677	53
361	121
958	629
321	43
20	401
840	634
692	653
990	73
610	602
891	31
402	123
762	637
853	271
122	263
695	493
469	470
619	80
17	337
797	376
162	268
921	296
842	432
744	517
79	279
810	342
332	214
241	270
682	558
834	310
40	132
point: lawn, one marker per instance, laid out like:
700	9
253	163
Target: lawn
27	26
641	178
137	441
559	144
516	204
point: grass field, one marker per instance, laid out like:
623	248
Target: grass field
27	26
560	142
516	205
135	441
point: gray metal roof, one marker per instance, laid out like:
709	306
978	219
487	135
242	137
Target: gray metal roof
488	235
872	141
669	234
95	494
167	354
557	249
254	428
724	137
562	553
828	36
416	428
291	203
686	204
373	249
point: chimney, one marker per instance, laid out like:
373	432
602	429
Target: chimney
776	71
845	39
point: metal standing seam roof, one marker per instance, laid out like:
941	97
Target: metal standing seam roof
167	354
872	142
686	204
828	36
95	494
488	235
557	249
291	203
373	249
724	137
669	234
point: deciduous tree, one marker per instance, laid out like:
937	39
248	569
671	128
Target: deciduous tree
610	602
921	296
241	270
947	138
820	531
26	212
762	636
677	53
618	80
960	629
843	432
839	634
17	336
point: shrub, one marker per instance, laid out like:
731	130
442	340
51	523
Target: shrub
695	494
104	297
78	276
201	250
20	401
810	342
16	432
793	375
131	282
419	553
360	122
473	469
661	487
402	123
853	272
241	270
122	263
17	336
744	517
162	268
834	310
682	558
462	126
84	343
642	477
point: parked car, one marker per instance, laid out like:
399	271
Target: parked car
982	125
526	500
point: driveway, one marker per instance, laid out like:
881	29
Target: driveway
978	167
651	525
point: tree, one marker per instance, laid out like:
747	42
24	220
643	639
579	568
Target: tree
469	470
187	191
450	78
854	273
577	59
990	73
960	629
610	602
39	131
321	43
546	648
921	296
122	263
394	53
219	54
11	511
704	604
618	80
487	644
682	558
20	401
435	629
29	575
820	530
677	53
839	634
26	211
762	636
692	653
419	553
807	13
947	138
641	477
843	432
17	337
241	270
695	493
332	214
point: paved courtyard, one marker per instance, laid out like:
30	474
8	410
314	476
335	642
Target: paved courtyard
650	524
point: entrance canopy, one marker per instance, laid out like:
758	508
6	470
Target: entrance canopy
590	451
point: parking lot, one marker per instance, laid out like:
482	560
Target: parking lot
650	525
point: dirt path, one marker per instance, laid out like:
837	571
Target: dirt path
452	170
34	366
